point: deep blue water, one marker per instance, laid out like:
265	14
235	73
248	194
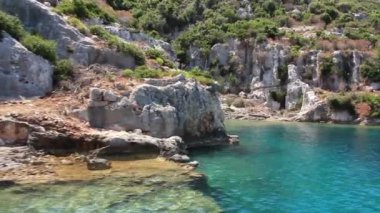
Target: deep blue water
295	167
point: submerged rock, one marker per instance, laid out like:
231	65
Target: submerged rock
180	158
7	183
98	164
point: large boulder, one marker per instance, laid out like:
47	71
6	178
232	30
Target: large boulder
178	109
313	109
70	42
22	73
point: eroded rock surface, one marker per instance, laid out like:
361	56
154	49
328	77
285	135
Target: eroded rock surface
178	109
22	73
70	42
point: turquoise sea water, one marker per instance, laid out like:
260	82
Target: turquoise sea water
296	167
278	167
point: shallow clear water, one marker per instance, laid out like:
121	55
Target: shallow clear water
278	167
296	167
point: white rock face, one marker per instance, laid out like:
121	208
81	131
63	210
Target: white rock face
313	109
70	42
341	116
295	88
22	73
179	109
295	91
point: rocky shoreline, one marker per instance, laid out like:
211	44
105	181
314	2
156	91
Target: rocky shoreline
257	114
41	135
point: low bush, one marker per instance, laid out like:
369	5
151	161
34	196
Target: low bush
143	72
370	69
34	43
153	53
11	25
63	69
84	9
146	72
373	100
348	101
160	61
128	73
79	25
159	56
341	102
202	76
41	47
120	45
279	96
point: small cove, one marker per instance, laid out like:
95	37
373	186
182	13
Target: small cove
296	167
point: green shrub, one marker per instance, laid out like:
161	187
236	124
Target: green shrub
119	4
146	72
327	66
132	50
342	102
373	100
160	61
326	18
316	8
11	25
41	47
278	96
370	69
34	43
63	69
201	76
159	56
120	45
282	74
79	25
153	53
128	73
84	9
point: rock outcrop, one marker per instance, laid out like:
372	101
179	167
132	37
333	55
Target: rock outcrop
49	138
22	73
70	42
183	108
259	70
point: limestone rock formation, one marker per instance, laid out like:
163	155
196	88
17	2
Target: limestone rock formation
62	141
258	69
22	73
295	89
70	42
178	109
313	109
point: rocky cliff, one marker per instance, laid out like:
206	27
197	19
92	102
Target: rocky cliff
70	42
22	73
263	71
